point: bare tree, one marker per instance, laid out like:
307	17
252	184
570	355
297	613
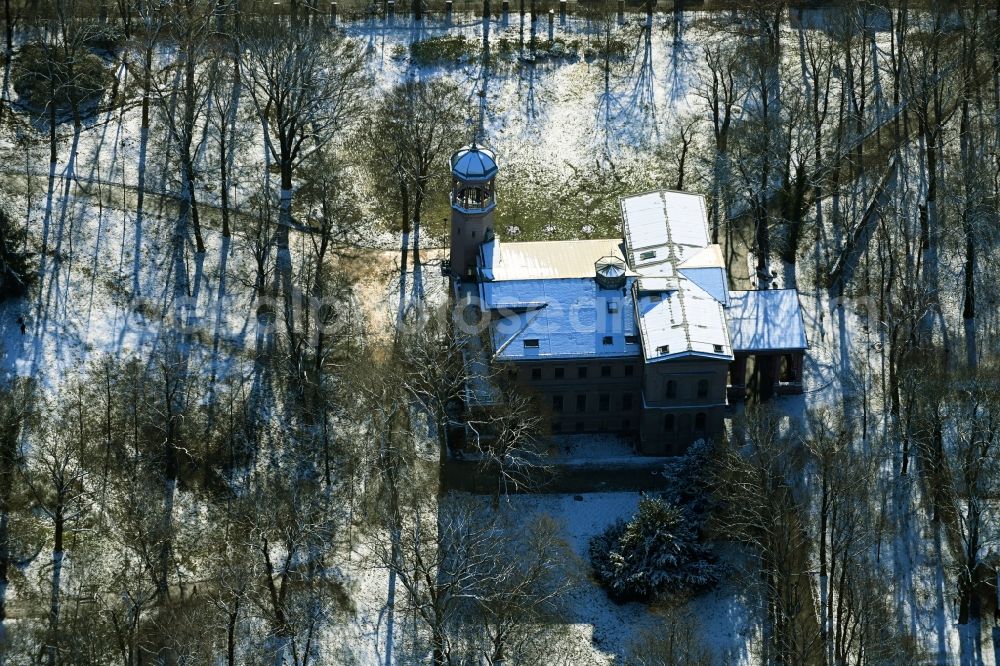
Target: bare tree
760	510
675	640
522	599
183	94
723	90
413	125
56	472
506	439
16	404
304	83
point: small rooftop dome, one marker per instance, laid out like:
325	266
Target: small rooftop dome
610	272
474	163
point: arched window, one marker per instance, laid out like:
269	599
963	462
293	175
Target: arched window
668	423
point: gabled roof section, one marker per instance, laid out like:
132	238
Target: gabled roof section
769	320
711	280
663	226
682	285
560	318
707	269
548	259
683	322
708	257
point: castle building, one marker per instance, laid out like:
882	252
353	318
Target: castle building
639	334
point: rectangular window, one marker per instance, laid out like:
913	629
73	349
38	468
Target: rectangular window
536	373
581	372
718	349
579	426
557	403
702	388
629	370
608	340
581	402
605	371
531	343
787	369
612	307
626	425
699	422
559	373
671	389
604	402
663	349
631	339
648	254
626	401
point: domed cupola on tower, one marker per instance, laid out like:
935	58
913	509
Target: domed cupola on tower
473	198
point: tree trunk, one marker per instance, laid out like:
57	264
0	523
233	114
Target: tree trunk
224	182
147	84
8	27
57	559
231	634
53	153
438	644
969	302
4	551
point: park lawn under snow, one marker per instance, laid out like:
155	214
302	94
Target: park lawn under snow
612	630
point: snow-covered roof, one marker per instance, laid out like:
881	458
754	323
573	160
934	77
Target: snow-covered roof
711	280
560	318
546	303
474	163
682	286
680	322
547	259
769	320
707	257
664	225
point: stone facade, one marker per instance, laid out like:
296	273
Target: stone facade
668	405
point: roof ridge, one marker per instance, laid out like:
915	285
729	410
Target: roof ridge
534	314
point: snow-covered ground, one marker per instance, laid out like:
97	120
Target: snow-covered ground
611	631
107	288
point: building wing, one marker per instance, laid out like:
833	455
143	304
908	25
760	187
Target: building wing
765	321
559	318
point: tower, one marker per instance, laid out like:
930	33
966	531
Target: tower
473	198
